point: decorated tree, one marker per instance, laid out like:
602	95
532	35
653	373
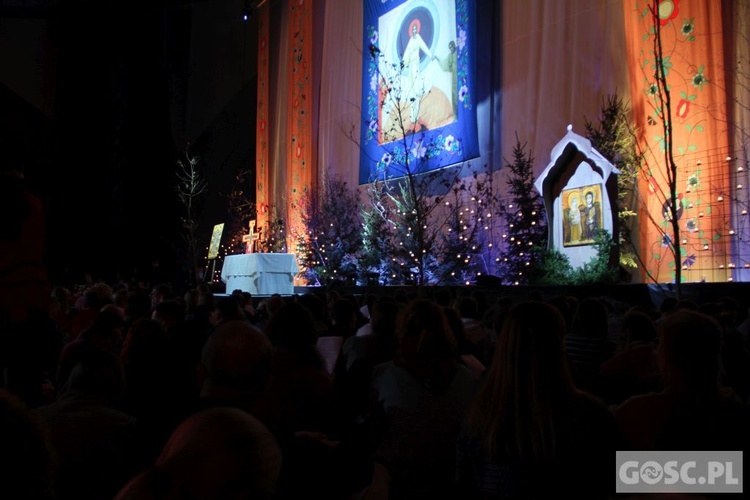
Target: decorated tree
464	250
408	196
331	217
525	233
376	248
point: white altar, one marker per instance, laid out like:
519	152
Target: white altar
260	273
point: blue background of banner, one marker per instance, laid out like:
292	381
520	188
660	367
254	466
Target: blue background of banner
441	147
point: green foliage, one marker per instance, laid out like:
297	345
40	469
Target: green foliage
614	138
525	234
413	233
375	231
332	222
459	250
404	230
598	270
555	268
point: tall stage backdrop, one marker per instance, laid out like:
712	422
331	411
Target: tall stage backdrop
338	81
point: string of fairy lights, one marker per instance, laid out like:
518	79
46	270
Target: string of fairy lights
717	192
714	185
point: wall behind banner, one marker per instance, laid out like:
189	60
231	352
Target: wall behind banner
541	65
693	45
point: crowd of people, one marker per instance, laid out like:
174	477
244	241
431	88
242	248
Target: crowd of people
140	390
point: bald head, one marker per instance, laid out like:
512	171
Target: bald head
216	453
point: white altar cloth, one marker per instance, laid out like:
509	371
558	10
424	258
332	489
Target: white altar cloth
260	273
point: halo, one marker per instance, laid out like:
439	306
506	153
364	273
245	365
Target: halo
574	194
417	23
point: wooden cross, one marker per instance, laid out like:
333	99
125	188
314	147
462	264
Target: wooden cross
251	239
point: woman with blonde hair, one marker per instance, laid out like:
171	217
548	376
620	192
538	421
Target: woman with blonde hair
530	433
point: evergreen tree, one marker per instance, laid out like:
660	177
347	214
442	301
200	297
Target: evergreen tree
376	235
460	250
525	235
613	137
332	223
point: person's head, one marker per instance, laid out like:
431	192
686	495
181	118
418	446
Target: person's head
229	308
668	305
105	332
275	302
424	333
169	313
61	300
315	304
636	326
528	385
344	315
688	351
589	198
452	46
239	296
414	29
573	202
560	302
292	330
216	453
145	344
236	360
96	373
383	322
160	292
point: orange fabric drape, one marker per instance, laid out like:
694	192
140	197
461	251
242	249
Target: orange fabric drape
300	169
692	45
262	125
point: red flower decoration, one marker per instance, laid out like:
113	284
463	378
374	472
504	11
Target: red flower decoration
683	107
667	10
